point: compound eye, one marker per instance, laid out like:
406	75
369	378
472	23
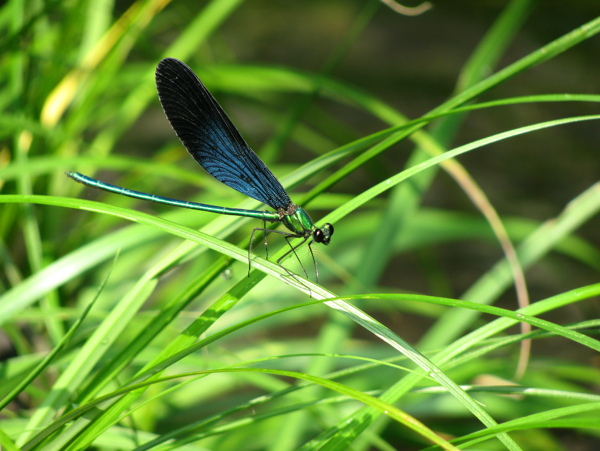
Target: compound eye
323	235
318	236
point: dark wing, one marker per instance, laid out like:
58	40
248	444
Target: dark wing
211	138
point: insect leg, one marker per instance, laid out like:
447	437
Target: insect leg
312	254
265	231
293	250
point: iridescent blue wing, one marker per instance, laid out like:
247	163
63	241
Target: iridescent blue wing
211	138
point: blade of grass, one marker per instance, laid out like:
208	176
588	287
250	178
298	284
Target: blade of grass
492	283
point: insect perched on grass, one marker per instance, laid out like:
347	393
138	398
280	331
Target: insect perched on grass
214	142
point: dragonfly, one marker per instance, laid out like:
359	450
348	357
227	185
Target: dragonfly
214	142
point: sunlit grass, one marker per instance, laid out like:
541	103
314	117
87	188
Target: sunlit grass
134	326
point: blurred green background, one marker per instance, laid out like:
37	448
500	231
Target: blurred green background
301	81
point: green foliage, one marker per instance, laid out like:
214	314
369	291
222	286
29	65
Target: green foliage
131	330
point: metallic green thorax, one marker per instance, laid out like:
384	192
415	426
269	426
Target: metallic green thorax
297	220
